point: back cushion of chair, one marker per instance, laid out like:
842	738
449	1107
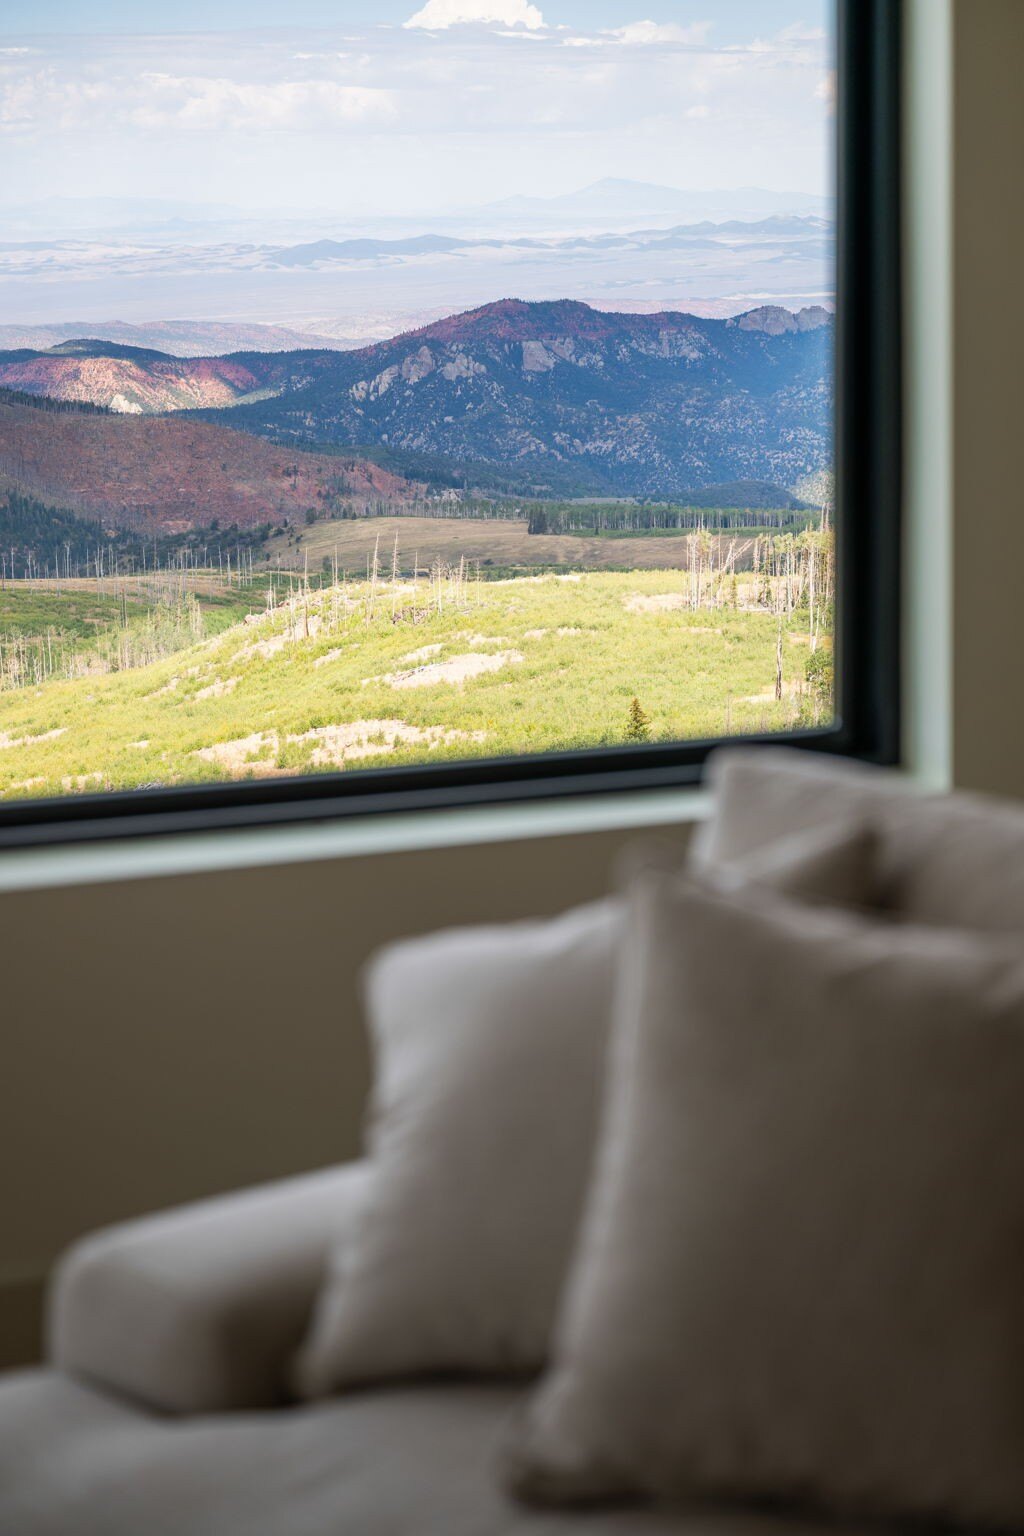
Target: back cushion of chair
955	860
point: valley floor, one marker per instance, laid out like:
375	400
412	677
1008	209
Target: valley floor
494	542
367	674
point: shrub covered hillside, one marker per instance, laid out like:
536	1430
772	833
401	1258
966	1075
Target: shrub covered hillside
386	672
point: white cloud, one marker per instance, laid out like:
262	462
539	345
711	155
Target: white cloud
387	125
642	32
798	33
793	45
233	105
438	15
159	100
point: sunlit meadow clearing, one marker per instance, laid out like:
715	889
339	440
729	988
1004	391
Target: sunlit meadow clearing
389	672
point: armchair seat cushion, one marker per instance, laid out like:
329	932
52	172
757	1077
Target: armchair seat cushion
198	1310
74	1462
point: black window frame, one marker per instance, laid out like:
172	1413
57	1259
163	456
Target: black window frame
868	497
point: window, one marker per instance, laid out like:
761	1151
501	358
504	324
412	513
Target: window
438	400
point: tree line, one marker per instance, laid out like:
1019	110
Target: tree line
38	541
619	519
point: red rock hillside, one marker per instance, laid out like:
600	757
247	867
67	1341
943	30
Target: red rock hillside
143	383
168	473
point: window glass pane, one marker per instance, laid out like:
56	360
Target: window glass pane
404	381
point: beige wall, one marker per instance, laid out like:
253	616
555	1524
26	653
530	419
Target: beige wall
964	322
988	395
169	1038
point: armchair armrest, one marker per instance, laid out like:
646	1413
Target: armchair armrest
199	1309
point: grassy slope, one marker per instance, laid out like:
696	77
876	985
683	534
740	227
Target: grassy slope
80	607
33	610
696	674
75	617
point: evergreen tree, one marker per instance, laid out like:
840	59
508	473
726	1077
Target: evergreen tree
639	727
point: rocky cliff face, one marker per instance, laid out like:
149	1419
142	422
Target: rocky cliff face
130	380
645	404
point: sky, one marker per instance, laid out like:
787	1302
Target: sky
407	107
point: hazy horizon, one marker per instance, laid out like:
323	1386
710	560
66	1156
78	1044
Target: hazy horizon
161	162
411	108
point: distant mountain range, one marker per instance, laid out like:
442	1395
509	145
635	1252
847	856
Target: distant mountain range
359	282
614	197
810	231
651	405
181	338
166	474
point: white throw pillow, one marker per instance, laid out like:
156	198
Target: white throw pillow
801	1269
956	860
489	1045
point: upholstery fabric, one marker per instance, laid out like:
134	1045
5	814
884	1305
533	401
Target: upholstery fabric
490	1053
74	1462
200	1309
489	1047
956	860
801	1269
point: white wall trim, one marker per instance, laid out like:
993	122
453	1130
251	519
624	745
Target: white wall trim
928	390
188	854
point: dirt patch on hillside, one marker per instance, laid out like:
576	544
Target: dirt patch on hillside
459	669
302	629
218	689
655	602
30	741
789	691
333	745
171	686
424	653
337	745
23	786
78	783
255	754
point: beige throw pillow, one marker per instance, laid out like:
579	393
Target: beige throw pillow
956	860
801	1270
490	1046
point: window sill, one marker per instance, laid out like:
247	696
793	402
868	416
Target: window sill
189	854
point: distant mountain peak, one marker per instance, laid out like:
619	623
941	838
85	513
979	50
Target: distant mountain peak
773	320
92	346
519	320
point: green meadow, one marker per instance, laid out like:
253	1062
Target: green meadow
390	672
